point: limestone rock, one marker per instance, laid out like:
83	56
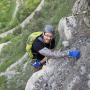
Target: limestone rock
67	73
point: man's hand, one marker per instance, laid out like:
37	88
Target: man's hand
37	64
75	54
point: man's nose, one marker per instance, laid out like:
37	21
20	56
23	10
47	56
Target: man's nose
49	38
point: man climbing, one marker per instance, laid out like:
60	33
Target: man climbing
43	45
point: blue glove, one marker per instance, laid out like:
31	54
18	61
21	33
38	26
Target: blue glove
37	64
75	54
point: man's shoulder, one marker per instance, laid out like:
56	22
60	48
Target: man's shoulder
38	41
38	44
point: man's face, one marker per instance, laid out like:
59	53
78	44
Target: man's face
47	37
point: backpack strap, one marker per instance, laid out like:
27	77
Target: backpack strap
40	38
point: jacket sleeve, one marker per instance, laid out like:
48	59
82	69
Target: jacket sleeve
54	54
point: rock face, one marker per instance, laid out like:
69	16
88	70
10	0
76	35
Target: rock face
66	73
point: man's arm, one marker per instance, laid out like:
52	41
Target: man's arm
54	54
43	60
75	54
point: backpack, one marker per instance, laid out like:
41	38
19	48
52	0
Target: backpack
30	41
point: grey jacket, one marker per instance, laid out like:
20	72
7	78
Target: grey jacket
53	53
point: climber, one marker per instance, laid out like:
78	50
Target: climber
43	45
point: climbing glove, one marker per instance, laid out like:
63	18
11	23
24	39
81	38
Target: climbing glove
75	54
37	64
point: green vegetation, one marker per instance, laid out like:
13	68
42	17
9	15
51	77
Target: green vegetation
7	38
6	11
7	8
27	7
3	82
10	36
12	52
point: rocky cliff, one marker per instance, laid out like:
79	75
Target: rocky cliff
66	73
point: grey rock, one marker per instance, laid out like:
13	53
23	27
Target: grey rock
66	73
